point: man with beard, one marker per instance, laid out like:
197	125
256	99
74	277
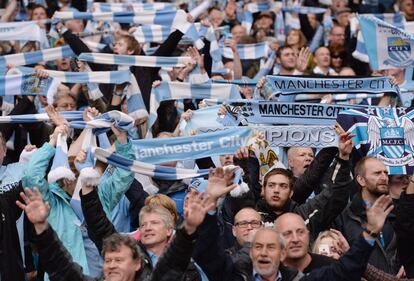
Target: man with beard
372	177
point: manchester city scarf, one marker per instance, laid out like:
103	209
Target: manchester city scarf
386	133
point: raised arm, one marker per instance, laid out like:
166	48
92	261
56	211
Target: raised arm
352	265
404	229
56	259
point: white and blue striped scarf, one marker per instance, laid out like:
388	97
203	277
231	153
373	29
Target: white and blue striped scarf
27	84
200	9
104	77
162	150
90	78
148	61
303	10
26	31
258	7
152	33
40	117
102	123
154	171
247	51
37	56
178	90
175	19
136	7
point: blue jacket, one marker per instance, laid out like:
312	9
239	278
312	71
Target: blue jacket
62	217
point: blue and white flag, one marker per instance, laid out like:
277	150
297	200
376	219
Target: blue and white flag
386	133
148	61
175	19
27	84
286	113
292	85
37	56
395	19
248	51
27	31
161	150
387	46
135	7
154	171
179	90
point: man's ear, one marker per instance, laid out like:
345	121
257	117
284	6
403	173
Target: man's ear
130	52
262	191
138	265
360	180
283	255
291	193
233	230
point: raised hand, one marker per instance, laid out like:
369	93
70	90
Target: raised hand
121	135
34	207
55	117
61	129
219	183
345	145
198	204
195	55
377	214
303	58
340	242
89	114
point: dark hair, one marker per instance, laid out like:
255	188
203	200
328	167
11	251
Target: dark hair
279	171
360	166
115	241
281	49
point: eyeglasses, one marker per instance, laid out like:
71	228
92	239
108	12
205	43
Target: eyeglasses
245	224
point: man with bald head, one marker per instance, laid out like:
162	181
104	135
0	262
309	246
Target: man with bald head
371	175
269	246
295	234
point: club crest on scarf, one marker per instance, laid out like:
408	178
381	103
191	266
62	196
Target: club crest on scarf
389	140
386	133
33	85
399	51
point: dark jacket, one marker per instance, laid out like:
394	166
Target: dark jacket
320	211
404	229
351	223
11	264
60	266
314	178
99	227
235	264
